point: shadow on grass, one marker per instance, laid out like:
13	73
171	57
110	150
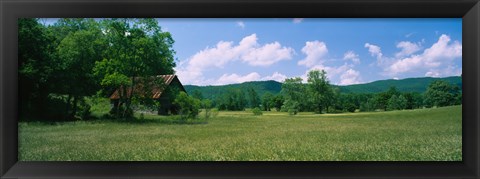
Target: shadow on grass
171	121
168	120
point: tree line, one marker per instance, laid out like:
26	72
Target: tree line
319	96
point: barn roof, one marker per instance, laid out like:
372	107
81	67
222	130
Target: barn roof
156	90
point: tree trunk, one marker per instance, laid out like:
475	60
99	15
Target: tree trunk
67	111
129	99
75	106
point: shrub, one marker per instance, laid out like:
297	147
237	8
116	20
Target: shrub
84	110
256	111
207	106
292	107
292	111
350	107
189	106
214	113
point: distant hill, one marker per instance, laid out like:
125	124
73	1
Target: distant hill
404	85
261	87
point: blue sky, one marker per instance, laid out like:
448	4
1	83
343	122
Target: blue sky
352	51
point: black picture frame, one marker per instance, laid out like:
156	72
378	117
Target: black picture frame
11	10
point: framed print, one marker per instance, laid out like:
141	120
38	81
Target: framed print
224	89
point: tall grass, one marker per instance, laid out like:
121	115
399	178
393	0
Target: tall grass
413	135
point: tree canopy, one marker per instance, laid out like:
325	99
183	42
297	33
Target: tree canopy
76	57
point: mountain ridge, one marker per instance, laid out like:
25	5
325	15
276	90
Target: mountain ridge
417	84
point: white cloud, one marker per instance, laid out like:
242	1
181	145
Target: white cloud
408	48
432	74
241	24
350	77
450	70
297	20
275	76
254	76
234	78
267	55
345	74
439	56
315	51
350	55
374	50
248	51
342	75
409	34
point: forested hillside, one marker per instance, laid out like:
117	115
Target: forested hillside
261	87
405	85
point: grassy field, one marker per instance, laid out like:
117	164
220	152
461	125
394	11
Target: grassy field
412	135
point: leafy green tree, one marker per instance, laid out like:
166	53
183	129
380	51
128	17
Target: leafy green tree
402	102
77	54
383	97
414	100
138	49
267	101
350	107
291	106
440	93
319	90
35	53
233	100
277	102
368	105
392	103
189	106
397	103
253	97
294	93
197	94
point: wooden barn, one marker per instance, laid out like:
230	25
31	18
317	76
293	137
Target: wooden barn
164	93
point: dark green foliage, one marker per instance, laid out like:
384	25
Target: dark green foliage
35	54
213	92
368	105
278	101
197	94
253	98
267	101
414	100
77	53
350	107
138	50
233	100
441	93
320	93
294	92
84	111
396	103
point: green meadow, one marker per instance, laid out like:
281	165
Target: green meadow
433	134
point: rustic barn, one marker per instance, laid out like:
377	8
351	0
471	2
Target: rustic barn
164	93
